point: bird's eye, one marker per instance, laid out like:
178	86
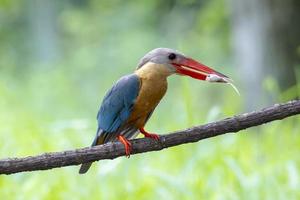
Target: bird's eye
172	56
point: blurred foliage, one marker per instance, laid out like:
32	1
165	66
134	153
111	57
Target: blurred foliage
50	105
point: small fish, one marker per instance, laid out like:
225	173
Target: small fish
216	78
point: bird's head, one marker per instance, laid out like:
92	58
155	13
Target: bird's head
178	63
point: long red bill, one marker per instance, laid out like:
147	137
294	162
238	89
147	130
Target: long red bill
199	71
194	69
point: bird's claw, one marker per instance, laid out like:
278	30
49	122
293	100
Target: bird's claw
152	136
128	149
149	135
127	145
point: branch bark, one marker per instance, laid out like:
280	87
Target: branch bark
113	150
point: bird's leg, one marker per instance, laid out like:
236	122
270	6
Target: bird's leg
126	143
149	135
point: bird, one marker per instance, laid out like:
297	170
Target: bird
129	104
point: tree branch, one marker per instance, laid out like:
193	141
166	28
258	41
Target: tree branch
114	150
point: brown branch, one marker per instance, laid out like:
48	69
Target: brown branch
114	150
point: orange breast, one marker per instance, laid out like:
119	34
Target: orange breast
153	87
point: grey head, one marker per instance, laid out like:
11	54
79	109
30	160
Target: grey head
178	63
161	56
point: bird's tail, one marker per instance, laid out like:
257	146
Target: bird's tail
86	166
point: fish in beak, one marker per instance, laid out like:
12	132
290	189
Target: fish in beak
194	69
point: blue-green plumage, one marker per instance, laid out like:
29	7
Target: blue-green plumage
118	103
115	110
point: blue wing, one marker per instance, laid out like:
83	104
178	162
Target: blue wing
115	109
118	103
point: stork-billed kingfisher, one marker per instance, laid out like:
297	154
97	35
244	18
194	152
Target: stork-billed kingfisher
128	105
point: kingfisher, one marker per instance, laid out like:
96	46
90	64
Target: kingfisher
129	104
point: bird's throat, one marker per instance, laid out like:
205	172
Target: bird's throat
153	71
153	86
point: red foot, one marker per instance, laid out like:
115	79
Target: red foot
127	145
149	135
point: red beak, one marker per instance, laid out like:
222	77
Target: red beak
194	69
